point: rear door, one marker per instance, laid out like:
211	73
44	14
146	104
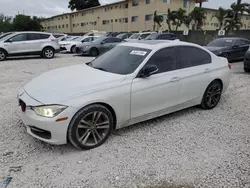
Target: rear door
36	41
195	66
17	44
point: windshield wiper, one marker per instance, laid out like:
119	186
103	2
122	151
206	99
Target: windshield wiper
99	68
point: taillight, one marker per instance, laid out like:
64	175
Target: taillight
229	66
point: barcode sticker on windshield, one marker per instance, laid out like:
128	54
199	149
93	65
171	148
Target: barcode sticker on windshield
229	41
136	52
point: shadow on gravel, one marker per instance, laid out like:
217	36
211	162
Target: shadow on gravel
16	58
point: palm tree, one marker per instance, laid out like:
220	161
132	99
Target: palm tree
170	19
179	17
221	15
187	20
158	19
231	25
198	16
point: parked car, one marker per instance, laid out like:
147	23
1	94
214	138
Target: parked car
131	83
162	36
112	34
139	36
28	43
124	35
97	47
70	46
247	61
230	48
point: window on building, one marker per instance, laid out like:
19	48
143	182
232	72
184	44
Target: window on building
74	25
111	20
72	16
82	24
105	9
167	1
66	17
148	1
135	3
105	22
59	26
126	20
134	19
111	8
58	18
116	20
148	17
125	6
67	25
94	23
63	26
186	3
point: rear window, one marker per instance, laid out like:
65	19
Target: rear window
57	36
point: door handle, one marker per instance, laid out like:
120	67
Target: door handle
207	70
175	79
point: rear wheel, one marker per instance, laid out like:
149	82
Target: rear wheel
94	52
246	69
3	55
73	49
90	127
48	52
212	95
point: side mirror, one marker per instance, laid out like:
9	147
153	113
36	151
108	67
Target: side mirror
139	38
148	70
103	42
235	46
10	41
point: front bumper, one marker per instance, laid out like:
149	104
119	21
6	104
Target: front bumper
45	129
66	48
247	60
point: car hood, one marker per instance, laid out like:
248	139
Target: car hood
62	84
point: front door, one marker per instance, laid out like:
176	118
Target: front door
159	91
240	48
17	44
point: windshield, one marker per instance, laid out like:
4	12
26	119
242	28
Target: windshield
121	59
135	36
78	39
143	36
121	35
5	35
221	43
152	36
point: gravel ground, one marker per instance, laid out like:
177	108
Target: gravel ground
190	148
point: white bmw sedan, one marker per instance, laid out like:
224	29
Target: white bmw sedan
131	83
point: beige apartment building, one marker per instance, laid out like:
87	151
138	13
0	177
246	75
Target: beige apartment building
126	16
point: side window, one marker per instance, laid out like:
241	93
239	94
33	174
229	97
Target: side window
44	36
108	40
116	40
18	38
33	36
87	39
165	37
164	59
191	56
241	42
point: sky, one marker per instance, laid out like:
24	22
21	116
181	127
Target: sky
47	8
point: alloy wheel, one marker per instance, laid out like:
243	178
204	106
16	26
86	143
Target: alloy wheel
93	128
49	53
2	56
213	95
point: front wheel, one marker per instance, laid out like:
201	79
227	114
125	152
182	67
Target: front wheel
212	95
73	49
94	52
90	127
48	53
3	55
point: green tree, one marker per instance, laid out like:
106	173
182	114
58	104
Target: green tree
158	19
198	16
82	4
187	20
26	23
231	25
170	19
179	17
5	23
221	16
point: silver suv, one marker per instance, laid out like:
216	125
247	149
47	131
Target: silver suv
28	43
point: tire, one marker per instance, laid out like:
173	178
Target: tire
48	53
212	95
84	133
93	52
73	49
3	55
246	69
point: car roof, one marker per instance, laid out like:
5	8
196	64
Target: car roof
232	38
156	44
20	32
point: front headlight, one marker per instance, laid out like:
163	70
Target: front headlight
85	47
49	111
